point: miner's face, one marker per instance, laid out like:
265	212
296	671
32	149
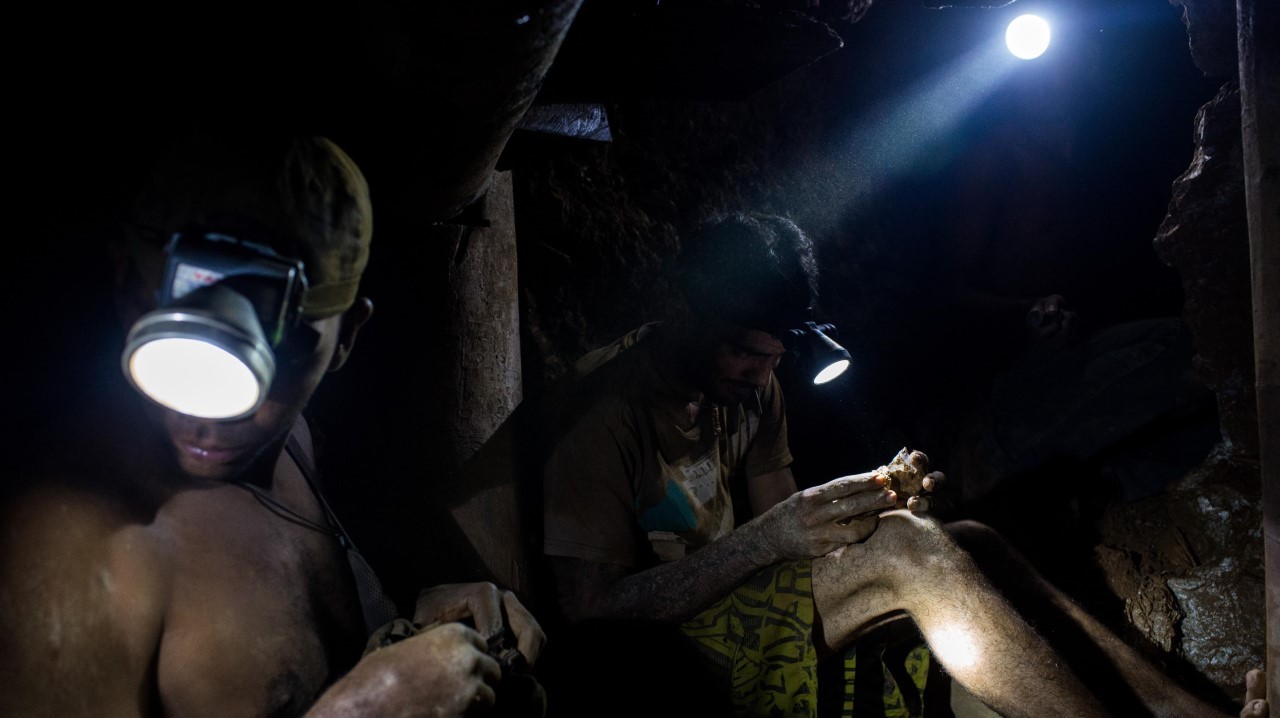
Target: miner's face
223	450
741	363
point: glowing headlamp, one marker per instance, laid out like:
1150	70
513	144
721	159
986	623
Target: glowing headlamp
225	304
823	359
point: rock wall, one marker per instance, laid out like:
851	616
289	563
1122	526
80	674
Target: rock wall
1188	564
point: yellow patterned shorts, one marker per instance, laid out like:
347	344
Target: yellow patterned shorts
760	638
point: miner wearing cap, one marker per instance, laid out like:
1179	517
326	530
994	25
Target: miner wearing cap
180	559
671	515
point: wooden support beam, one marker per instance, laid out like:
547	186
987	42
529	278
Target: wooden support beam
1259	48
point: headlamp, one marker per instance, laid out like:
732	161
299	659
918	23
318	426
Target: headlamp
225	305
822	358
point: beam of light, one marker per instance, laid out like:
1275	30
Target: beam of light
1027	37
895	135
955	647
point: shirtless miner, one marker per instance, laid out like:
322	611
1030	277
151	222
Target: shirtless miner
167	564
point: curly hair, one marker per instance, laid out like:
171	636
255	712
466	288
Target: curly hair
751	270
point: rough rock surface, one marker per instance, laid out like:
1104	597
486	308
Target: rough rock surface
1221	605
1205	237
1187	565
1211	30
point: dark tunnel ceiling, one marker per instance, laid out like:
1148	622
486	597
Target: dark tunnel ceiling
620	50
116	79
683	51
317	63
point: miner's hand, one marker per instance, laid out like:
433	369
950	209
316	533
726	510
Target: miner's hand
820	519
491	609
909	477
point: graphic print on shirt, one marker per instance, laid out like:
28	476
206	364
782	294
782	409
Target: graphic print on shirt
700	479
695	508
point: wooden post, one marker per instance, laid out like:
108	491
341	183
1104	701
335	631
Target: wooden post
1259	47
480	387
459	76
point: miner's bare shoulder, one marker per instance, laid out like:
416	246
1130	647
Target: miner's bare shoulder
82	581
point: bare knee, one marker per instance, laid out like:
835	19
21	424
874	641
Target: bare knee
982	542
973	534
896	568
910	546
901	544
904	565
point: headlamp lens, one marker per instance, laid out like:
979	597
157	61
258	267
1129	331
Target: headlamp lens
207	350
194	377
832	370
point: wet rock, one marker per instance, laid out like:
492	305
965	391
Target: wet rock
1188	566
1218	510
1149	605
1222	604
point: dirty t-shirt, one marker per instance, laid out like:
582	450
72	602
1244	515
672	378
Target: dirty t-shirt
629	483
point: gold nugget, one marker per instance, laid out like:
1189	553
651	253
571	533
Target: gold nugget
905	477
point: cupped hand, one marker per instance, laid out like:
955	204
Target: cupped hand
920	502
820	519
443	671
908	478
490	609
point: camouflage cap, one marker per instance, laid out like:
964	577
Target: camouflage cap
304	195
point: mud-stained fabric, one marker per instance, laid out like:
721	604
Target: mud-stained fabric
760	638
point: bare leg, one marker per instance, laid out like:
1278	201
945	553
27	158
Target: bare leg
1102	655
911	564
